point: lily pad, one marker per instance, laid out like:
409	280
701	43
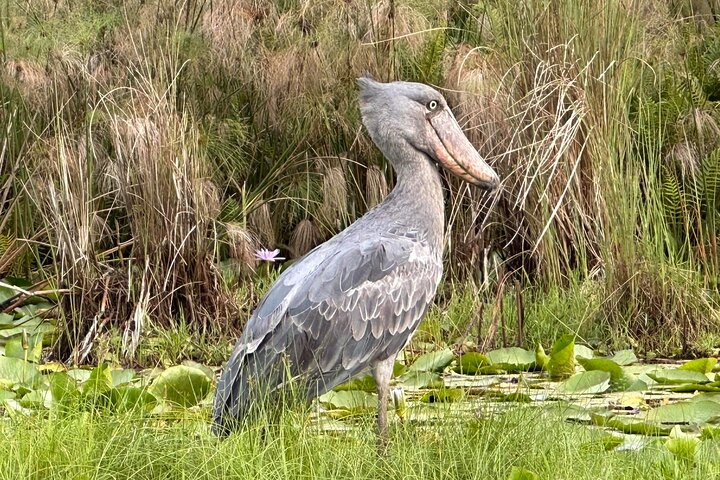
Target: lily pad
100	381
181	385
354	401
512	359
127	398
421	380
618	379
594	381
684	412
470	363
14	348
366	384
64	389
675	376
541	358
624	357
18	371
583	351
522	474
122	376
562	358
700	365
433	361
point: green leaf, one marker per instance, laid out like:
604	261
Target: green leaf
421	380
433	361
684	412
64	389
469	363
442	395
681	445
14	348
6	319
696	387
354	401
512	359
618	379
591	382
100	381
541	358
583	351
36	399
16	371
366	384
127	398
181	385
122	376
676	376
521	474
562	358
624	357
700	365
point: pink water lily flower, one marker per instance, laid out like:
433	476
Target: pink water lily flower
266	255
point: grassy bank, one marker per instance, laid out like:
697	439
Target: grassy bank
86	446
153	146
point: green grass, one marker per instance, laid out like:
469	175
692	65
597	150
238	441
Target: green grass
84	446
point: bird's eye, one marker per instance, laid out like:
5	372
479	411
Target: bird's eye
432	105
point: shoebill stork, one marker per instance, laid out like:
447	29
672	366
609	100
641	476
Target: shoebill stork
355	301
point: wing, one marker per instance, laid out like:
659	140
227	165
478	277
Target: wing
337	311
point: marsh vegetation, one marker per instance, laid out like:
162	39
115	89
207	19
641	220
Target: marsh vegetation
150	148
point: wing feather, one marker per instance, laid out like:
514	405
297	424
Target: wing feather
335	312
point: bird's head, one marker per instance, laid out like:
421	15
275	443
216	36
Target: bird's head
405	113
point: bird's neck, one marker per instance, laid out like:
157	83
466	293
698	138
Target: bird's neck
417	199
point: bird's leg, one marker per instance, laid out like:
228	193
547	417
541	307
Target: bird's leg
383	372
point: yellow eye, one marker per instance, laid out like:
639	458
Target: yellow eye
432	105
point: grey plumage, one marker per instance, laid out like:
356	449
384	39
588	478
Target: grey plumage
355	301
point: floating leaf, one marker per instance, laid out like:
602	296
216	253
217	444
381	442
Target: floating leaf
36	398
631	425
684	412
470	363
591	382
100	381
366	384
700	365
353	401
512	359
619	380
127	398
14	348
624	357
696	387
181	385
522	474
208	371
433	361
421	380
18	371
583	351
676	376
541	358
64	389
681	445
562	358
442	395
6	319
6	395
122	376
80	374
